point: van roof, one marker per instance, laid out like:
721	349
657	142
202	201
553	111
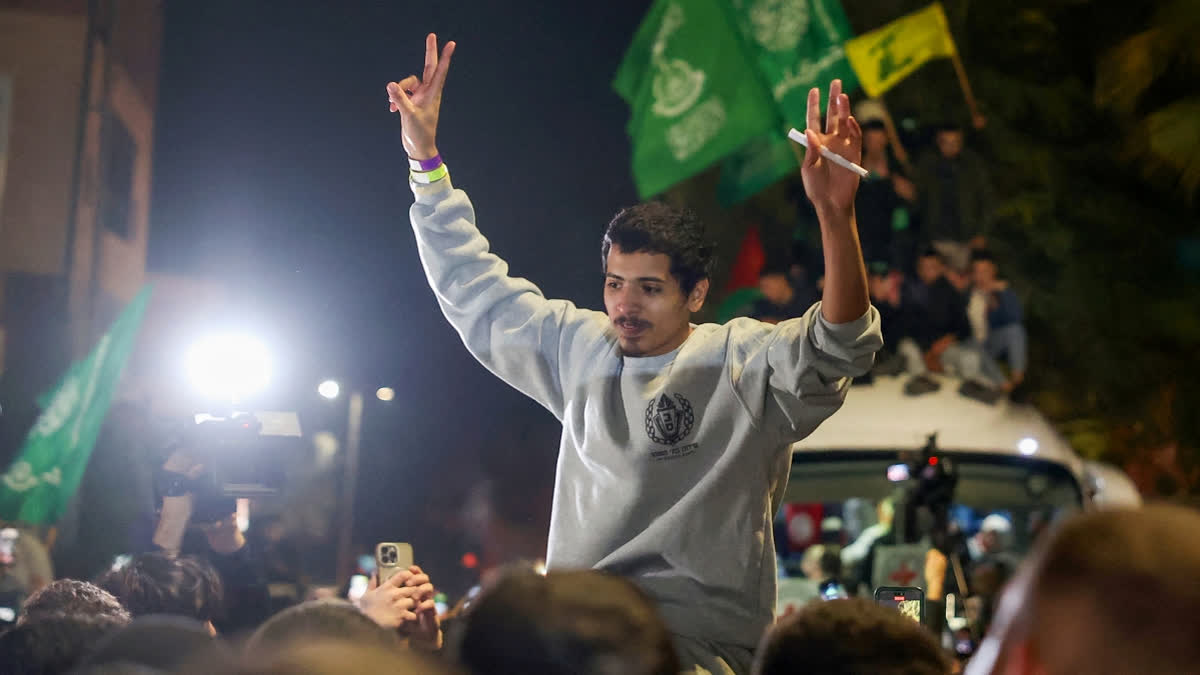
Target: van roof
881	416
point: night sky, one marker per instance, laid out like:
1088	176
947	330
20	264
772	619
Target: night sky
279	170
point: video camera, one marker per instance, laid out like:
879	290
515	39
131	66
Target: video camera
927	499
241	454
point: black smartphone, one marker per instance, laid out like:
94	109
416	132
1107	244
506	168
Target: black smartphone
908	600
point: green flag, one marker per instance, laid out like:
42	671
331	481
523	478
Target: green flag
42	480
756	167
796	45
693	94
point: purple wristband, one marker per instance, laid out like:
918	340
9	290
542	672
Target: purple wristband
424	165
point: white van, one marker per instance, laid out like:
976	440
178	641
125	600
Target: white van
1009	462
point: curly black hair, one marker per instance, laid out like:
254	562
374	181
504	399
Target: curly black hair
850	636
73	597
655	227
164	583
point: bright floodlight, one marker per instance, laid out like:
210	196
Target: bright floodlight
229	367
329	389
1027	446
385	393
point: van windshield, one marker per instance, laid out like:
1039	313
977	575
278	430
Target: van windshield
848	503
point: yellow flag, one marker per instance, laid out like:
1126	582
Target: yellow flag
886	55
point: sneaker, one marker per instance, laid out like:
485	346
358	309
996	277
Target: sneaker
980	392
921	384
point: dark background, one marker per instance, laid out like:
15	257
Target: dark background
279	170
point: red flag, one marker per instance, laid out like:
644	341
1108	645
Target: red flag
749	262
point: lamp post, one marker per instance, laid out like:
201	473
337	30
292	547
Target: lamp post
345	554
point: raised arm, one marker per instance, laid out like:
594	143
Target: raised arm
504	322
831	190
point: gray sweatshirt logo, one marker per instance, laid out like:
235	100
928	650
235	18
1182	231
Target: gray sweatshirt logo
669	421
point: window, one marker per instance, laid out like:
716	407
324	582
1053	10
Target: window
116	212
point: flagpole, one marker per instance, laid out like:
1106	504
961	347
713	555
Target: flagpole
977	119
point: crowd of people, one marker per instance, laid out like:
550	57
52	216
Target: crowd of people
1105	592
674	457
944	306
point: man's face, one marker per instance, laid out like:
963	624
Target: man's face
983	272
929	269
950	143
646	304
875	140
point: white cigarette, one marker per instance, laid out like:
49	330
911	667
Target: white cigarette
828	154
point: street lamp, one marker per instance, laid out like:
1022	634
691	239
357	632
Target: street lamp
385	394
345	556
329	389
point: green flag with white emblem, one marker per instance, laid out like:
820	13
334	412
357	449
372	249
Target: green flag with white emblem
795	45
45	475
693	94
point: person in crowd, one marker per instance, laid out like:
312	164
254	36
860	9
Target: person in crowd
166	583
955	193
851	636
161	643
321	620
405	603
1006	338
320	656
885	200
76	598
1112	591
784	296
565	623
669	428
942	341
209	531
53	643
857	551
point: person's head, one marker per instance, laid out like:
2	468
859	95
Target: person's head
950	140
983	268
73	598
994	532
53	643
321	619
656	274
160	642
583	622
930	267
164	583
810	562
1107	592
849	636
776	284
874	137
320	656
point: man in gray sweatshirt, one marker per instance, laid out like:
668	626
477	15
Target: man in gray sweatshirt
675	446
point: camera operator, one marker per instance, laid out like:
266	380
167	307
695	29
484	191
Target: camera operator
207	528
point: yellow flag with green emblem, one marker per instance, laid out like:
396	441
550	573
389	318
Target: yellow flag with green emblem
886	55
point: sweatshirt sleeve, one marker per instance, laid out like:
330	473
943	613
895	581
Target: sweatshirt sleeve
505	322
796	374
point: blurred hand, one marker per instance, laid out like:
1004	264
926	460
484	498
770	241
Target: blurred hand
828	186
419	100
935	574
904	187
426	632
405	602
